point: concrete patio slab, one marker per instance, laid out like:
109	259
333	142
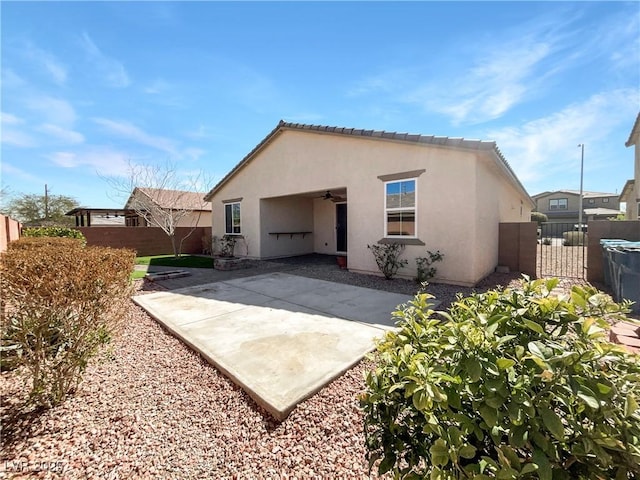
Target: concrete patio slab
281	337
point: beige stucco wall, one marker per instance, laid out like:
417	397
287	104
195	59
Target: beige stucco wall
196	219
324	226
454	194
286	214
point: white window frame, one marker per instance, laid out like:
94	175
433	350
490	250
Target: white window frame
557	206
605	200
415	208
231	204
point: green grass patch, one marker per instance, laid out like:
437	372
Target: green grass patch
137	274
188	261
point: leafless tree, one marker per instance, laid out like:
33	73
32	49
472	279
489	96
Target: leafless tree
164	197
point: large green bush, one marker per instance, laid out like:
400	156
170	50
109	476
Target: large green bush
61	301
508	384
53	232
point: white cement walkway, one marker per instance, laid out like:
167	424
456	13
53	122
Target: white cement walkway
280	337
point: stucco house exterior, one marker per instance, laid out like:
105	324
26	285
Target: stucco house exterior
318	189
631	190
563	206
192	210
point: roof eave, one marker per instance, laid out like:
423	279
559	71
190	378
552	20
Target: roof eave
417	139
634	133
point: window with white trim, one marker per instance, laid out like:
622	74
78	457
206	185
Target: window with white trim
400	208
232	225
605	200
558	204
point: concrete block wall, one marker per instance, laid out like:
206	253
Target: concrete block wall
9	231
144	240
518	247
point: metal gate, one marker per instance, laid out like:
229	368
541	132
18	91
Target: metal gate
562	250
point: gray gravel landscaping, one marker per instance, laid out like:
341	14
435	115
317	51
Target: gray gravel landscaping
150	407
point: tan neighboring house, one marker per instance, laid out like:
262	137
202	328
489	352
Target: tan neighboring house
191	209
317	189
631	190
563	206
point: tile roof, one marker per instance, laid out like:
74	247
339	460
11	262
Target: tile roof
585	194
180	199
375	134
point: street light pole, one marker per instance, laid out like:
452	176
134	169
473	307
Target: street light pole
581	193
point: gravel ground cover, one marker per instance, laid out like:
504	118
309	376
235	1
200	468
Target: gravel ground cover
149	407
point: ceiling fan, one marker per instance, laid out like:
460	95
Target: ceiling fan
330	196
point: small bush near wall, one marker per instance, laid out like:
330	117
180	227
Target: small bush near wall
425	270
61	301
387	256
573	239
508	384
52	232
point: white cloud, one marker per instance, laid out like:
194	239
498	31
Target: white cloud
194	153
8	169
200	133
62	134
8	119
56	70
547	147
112	71
53	110
11	79
131	132
500	79
17	138
104	160
156	87
11	135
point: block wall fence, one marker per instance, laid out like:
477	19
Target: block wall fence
145	240
9	231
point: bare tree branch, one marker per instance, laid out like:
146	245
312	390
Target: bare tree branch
164	198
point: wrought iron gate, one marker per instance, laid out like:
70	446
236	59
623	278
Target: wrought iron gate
562	250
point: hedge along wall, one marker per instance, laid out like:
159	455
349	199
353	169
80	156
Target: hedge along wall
144	240
9	231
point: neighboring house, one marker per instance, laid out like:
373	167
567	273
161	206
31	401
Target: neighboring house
631	190
563	206
197	211
330	190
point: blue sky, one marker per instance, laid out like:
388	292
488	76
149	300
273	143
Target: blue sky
89	87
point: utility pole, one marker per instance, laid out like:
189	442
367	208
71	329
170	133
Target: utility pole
581	192
46	202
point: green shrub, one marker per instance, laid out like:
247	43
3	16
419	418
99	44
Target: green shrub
539	217
61	301
572	239
387	257
53	232
509	384
424	269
